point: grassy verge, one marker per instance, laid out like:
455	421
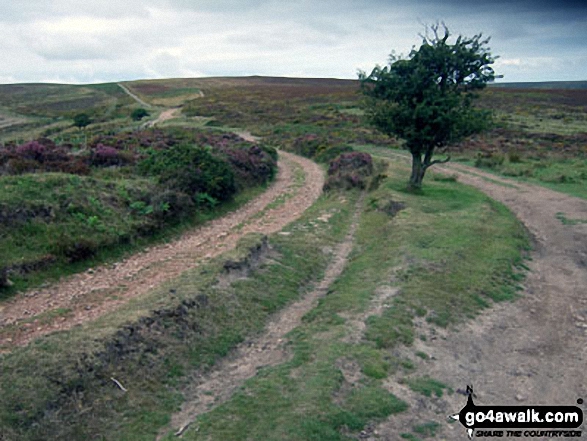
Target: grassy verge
100	215
560	174
58	209
61	387
566	175
449	253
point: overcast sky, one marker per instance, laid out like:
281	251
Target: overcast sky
73	41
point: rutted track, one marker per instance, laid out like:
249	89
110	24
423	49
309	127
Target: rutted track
217	387
532	351
91	294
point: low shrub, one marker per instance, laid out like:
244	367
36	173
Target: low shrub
331	153
309	145
252	166
489	160
105	156
191	170
139	114
42	155
514	157
349	170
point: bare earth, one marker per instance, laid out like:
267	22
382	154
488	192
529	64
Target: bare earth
164	116
530	352
91	294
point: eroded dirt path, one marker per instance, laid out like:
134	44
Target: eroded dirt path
215	388
532	351
164	116
89	295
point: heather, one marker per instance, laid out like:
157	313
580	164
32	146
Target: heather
65	204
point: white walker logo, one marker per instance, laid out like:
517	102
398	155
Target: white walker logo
510	419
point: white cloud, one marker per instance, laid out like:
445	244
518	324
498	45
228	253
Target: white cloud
112	40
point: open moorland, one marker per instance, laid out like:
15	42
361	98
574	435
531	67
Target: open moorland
240	258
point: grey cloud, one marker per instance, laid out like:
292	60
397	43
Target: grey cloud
155	38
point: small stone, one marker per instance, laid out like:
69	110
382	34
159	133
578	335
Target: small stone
520	397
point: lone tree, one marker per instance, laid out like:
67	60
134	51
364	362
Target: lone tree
426	98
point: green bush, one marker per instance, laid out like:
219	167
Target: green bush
191	170
139	114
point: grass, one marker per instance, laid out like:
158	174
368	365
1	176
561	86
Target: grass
85	359
560	174
310	397
97	214
427	386
440	275
427	429
566	221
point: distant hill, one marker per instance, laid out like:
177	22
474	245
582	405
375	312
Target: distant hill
544	85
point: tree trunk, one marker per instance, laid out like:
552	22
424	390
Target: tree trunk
418	171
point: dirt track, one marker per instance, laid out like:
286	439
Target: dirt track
205	393
532	351
98	291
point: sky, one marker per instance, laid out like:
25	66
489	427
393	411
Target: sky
72	41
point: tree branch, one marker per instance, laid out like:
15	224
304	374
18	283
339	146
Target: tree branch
436	161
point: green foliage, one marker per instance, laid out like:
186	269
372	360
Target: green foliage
139	114
192	170
330	153
426	99
373	402
427	386
427	429
81	120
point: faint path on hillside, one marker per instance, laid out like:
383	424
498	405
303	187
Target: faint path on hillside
531	351
270	349
133	96
96	292
163	116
